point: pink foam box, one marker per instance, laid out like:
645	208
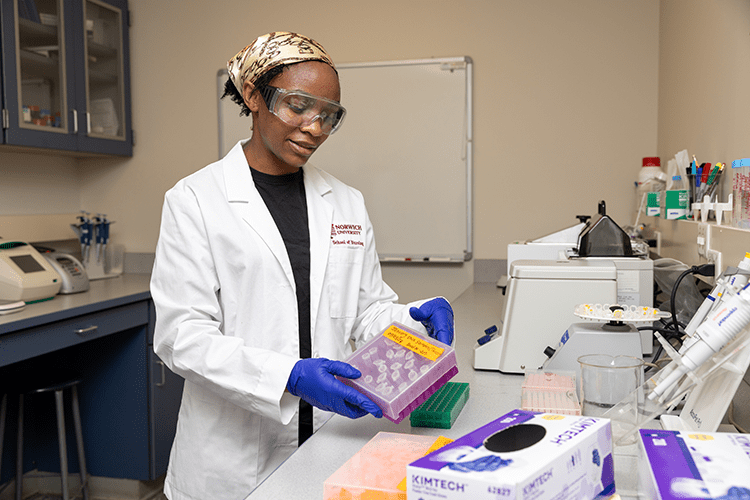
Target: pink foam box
401	368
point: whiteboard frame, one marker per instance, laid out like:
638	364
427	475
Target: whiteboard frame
463	62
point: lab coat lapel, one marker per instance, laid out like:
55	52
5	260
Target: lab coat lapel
320	219
244	196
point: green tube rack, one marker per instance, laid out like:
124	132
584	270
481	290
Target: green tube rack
442	408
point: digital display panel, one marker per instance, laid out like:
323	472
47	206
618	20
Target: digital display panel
27	263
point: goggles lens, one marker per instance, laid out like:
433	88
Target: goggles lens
300	109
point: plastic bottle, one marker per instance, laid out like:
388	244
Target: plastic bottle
741	193
651	179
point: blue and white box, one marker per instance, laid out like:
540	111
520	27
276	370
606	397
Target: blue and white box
682	465
521	455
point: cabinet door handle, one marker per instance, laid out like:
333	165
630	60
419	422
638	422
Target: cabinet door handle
163	375
83	331
88	123
75	121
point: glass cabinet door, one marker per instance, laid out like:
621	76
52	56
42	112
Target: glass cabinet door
104	70
40	65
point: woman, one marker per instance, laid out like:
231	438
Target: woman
255	296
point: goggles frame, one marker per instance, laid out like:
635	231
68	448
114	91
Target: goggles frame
274	95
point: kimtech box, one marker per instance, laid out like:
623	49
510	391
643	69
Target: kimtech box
680	465
521	455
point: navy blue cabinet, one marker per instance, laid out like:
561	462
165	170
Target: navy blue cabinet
129	400
66	75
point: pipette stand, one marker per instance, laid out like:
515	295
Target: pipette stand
719	208
96	269
709	391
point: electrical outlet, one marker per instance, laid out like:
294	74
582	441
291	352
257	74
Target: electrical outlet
704	239
714	257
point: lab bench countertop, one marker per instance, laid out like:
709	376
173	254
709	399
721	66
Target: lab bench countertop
102	294
491	395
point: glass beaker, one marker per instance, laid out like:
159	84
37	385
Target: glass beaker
607	380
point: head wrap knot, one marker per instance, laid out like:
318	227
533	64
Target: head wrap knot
269	51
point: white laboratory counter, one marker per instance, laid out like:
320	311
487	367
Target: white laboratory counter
491	395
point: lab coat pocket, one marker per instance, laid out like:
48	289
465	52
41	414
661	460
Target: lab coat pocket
345	276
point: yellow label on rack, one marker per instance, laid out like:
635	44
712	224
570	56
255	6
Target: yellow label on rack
414	343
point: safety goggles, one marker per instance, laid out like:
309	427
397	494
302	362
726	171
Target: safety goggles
300	109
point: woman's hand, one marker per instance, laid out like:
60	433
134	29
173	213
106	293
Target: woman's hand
437	317
313	380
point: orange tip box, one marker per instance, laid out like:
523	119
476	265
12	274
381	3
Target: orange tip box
375	471
400	369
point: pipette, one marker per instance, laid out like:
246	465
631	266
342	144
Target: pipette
713	334
725	287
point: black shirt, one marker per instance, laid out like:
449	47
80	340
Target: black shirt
284	195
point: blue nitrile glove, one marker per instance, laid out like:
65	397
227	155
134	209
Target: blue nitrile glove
437	316
313	380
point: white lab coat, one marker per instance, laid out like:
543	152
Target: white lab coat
226	318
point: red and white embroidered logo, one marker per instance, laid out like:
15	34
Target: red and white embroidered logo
347	234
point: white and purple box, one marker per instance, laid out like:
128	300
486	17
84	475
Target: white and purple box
401	369
521	455
690	465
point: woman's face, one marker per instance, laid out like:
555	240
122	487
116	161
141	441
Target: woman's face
282	147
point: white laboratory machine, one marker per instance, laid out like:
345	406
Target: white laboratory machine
599	239
72	272
539	306
549	247
601	329
25	275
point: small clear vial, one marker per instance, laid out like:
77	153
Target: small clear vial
389	354
382	368
368	379
409	364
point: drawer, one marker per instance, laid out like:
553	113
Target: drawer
31	342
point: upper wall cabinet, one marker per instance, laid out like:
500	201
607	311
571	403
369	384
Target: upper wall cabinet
65	75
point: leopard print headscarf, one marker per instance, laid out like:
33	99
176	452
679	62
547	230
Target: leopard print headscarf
272	50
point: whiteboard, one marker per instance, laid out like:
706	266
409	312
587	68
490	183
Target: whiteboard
406	144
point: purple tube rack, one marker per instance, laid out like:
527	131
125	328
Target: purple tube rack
397	378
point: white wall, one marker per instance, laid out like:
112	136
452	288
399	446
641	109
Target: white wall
565	104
